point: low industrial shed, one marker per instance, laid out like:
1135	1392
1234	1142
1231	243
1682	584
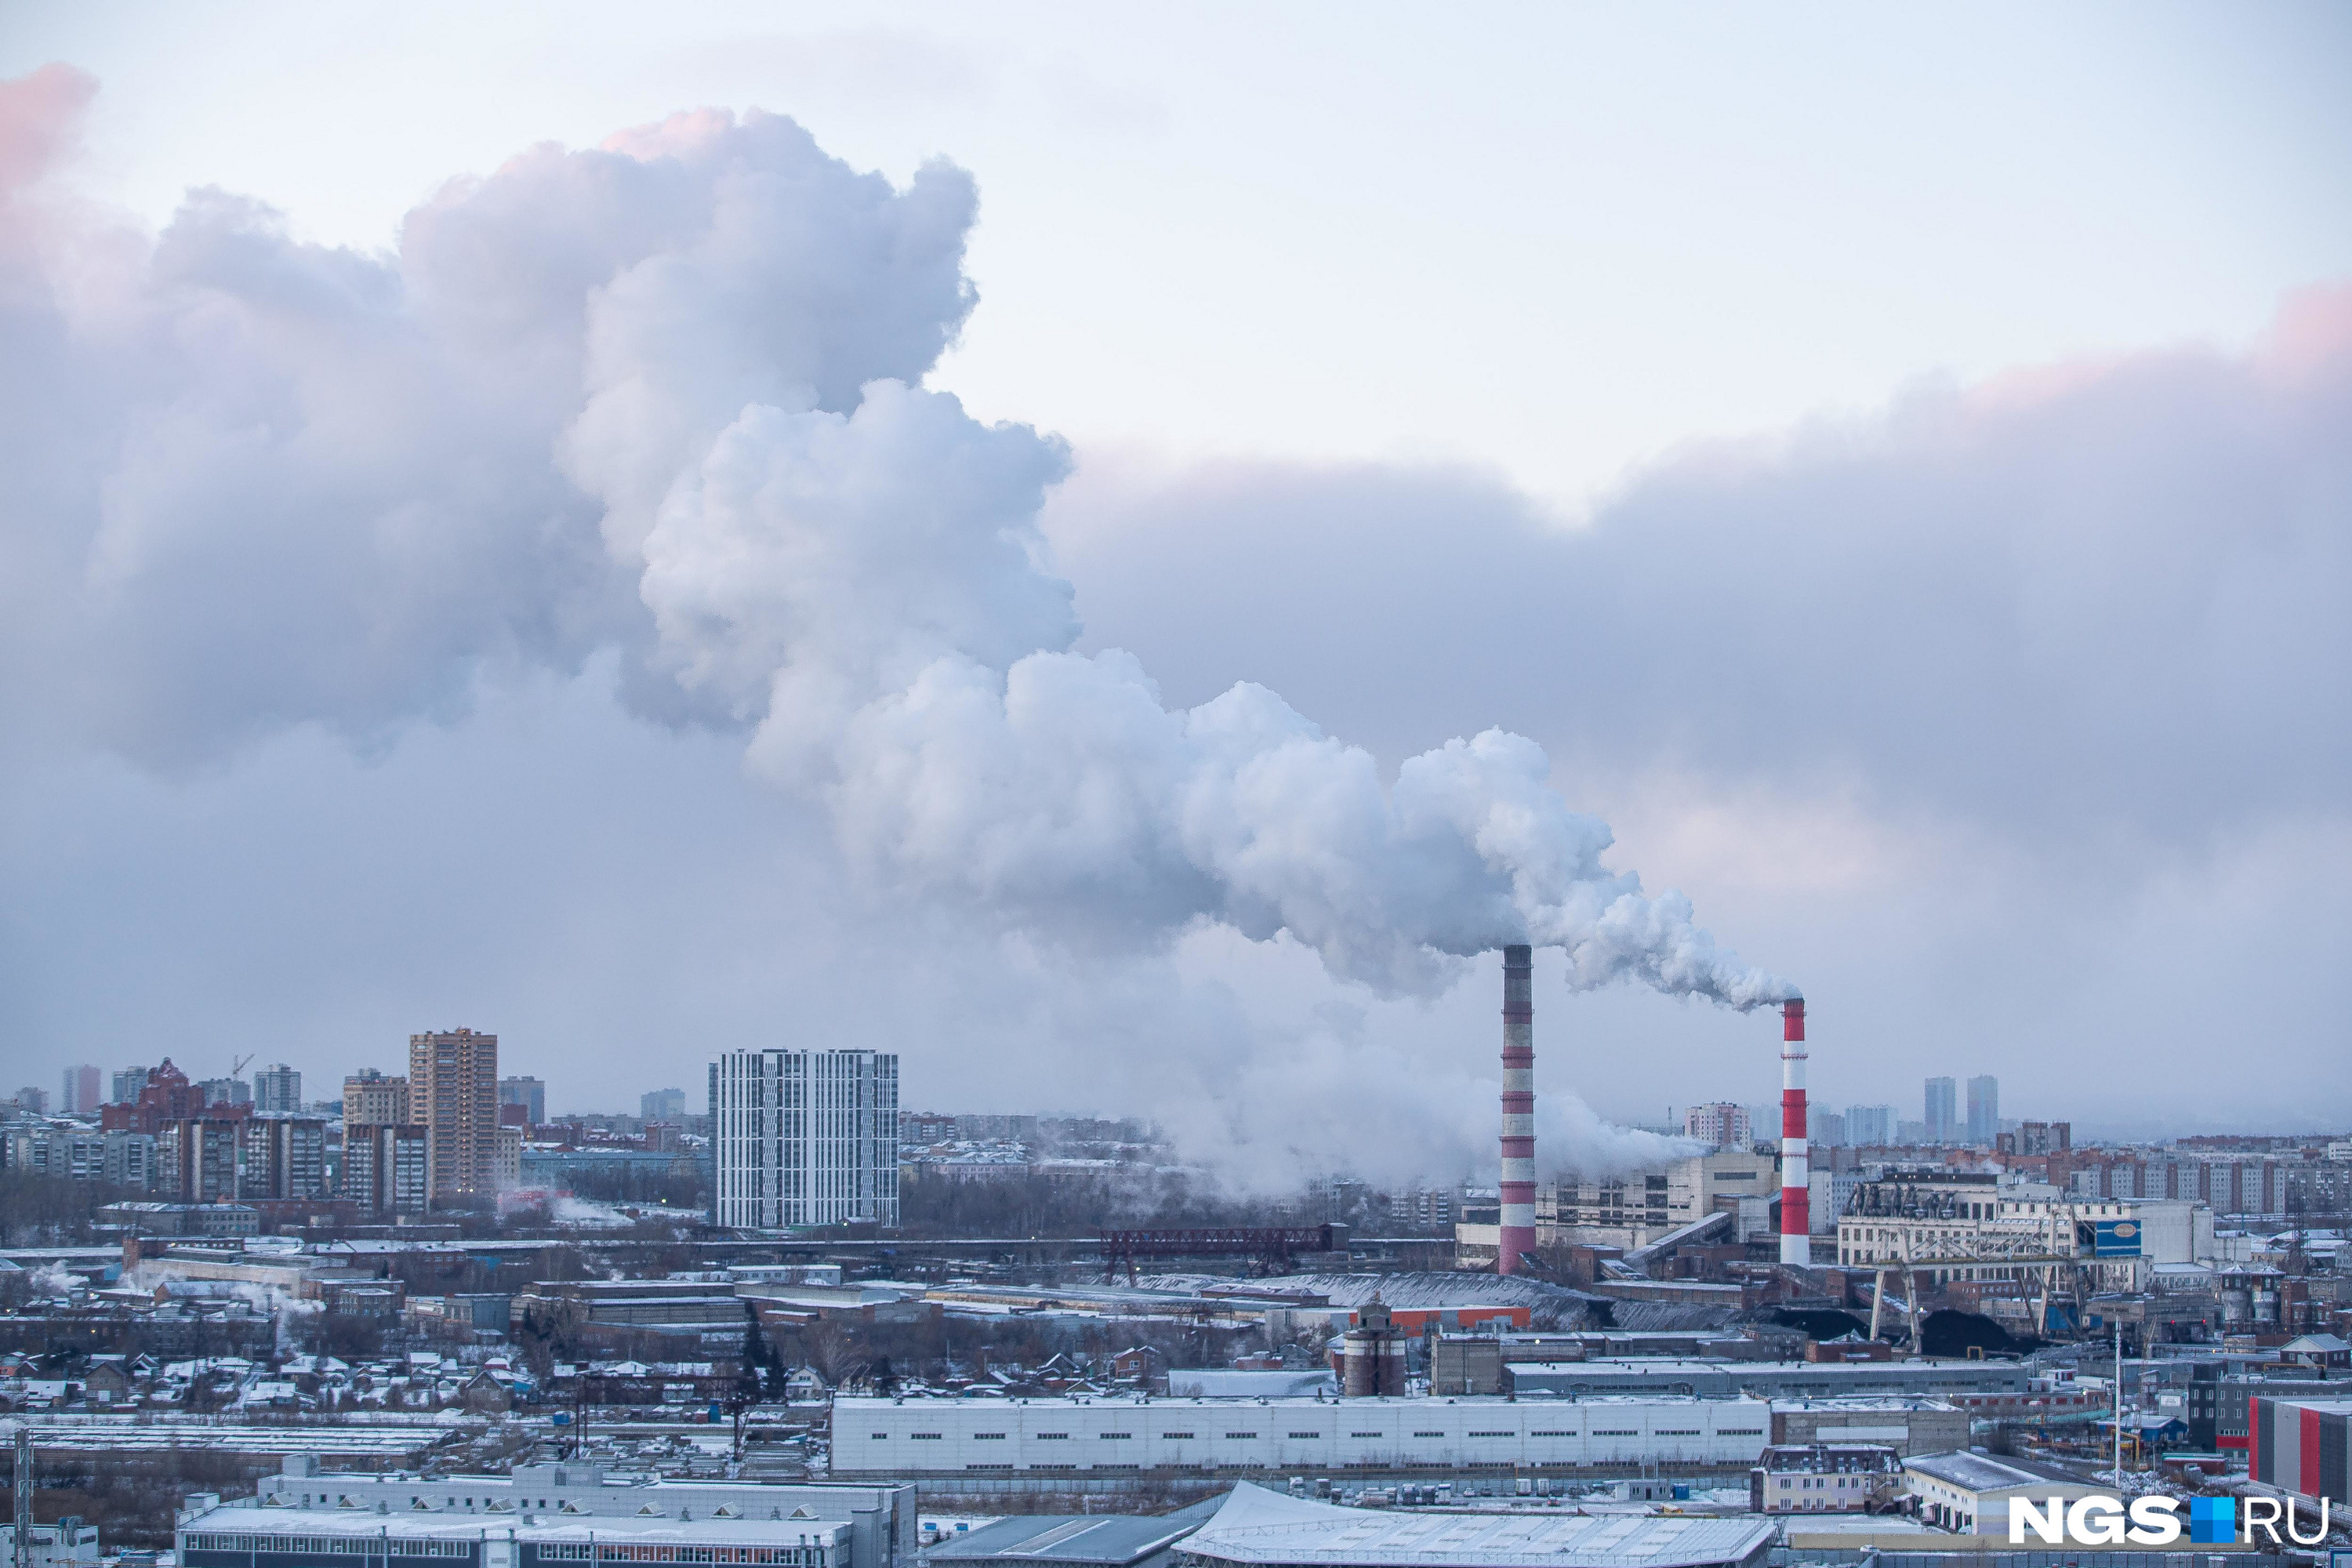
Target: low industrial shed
1262	1528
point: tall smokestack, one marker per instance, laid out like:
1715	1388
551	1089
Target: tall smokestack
1519	1216
1796	1176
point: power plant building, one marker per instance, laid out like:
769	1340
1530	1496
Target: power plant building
1633	1211
805	1138
1108	1436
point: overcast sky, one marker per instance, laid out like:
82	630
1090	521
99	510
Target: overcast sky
1897	467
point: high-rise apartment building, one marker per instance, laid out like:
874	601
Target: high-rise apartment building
1942	1119
82	1091
1722	1125
1984	1110
662	1105
2044	1137
284	1157
278	1091
195	1160
805	1138
385	1169
527	1092
209	1160
227	1091
119	1158
453	1092
371	1100
124	1087
1869	1126
1826	1127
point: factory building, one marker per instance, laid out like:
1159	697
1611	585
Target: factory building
1076	1540
221	1537
1763	1379
1259	1527
1968	1493
68	1543
2220	1406
914	1437
1633	1211
1947	1215
2303	1445
1903	1426
877	1524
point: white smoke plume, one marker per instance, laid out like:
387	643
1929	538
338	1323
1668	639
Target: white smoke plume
55	1280
278	484
866	589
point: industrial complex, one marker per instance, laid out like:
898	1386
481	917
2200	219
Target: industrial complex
1757	1352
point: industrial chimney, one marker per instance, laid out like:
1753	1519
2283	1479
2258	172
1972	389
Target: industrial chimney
1518	1235
1796	1179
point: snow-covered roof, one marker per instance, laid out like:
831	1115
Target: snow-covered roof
1258	1526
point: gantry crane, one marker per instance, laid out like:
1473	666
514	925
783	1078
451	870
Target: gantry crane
2053	1272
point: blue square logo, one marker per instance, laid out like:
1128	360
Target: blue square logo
2212	1521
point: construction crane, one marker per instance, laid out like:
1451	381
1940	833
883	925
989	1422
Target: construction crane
237	1068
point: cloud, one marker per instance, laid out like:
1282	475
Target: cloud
254	483
649	419
338	484
2098	611
38	116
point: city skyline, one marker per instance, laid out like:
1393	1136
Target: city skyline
858	785
1917	638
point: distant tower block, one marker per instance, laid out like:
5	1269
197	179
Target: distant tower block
1796	1178
1518	1229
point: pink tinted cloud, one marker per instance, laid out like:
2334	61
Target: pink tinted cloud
39	115
2312	335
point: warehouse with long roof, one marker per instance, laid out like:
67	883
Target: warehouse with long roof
1258	1527
917	1438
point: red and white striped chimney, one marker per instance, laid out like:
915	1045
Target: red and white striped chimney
1796	1176
1519	1216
